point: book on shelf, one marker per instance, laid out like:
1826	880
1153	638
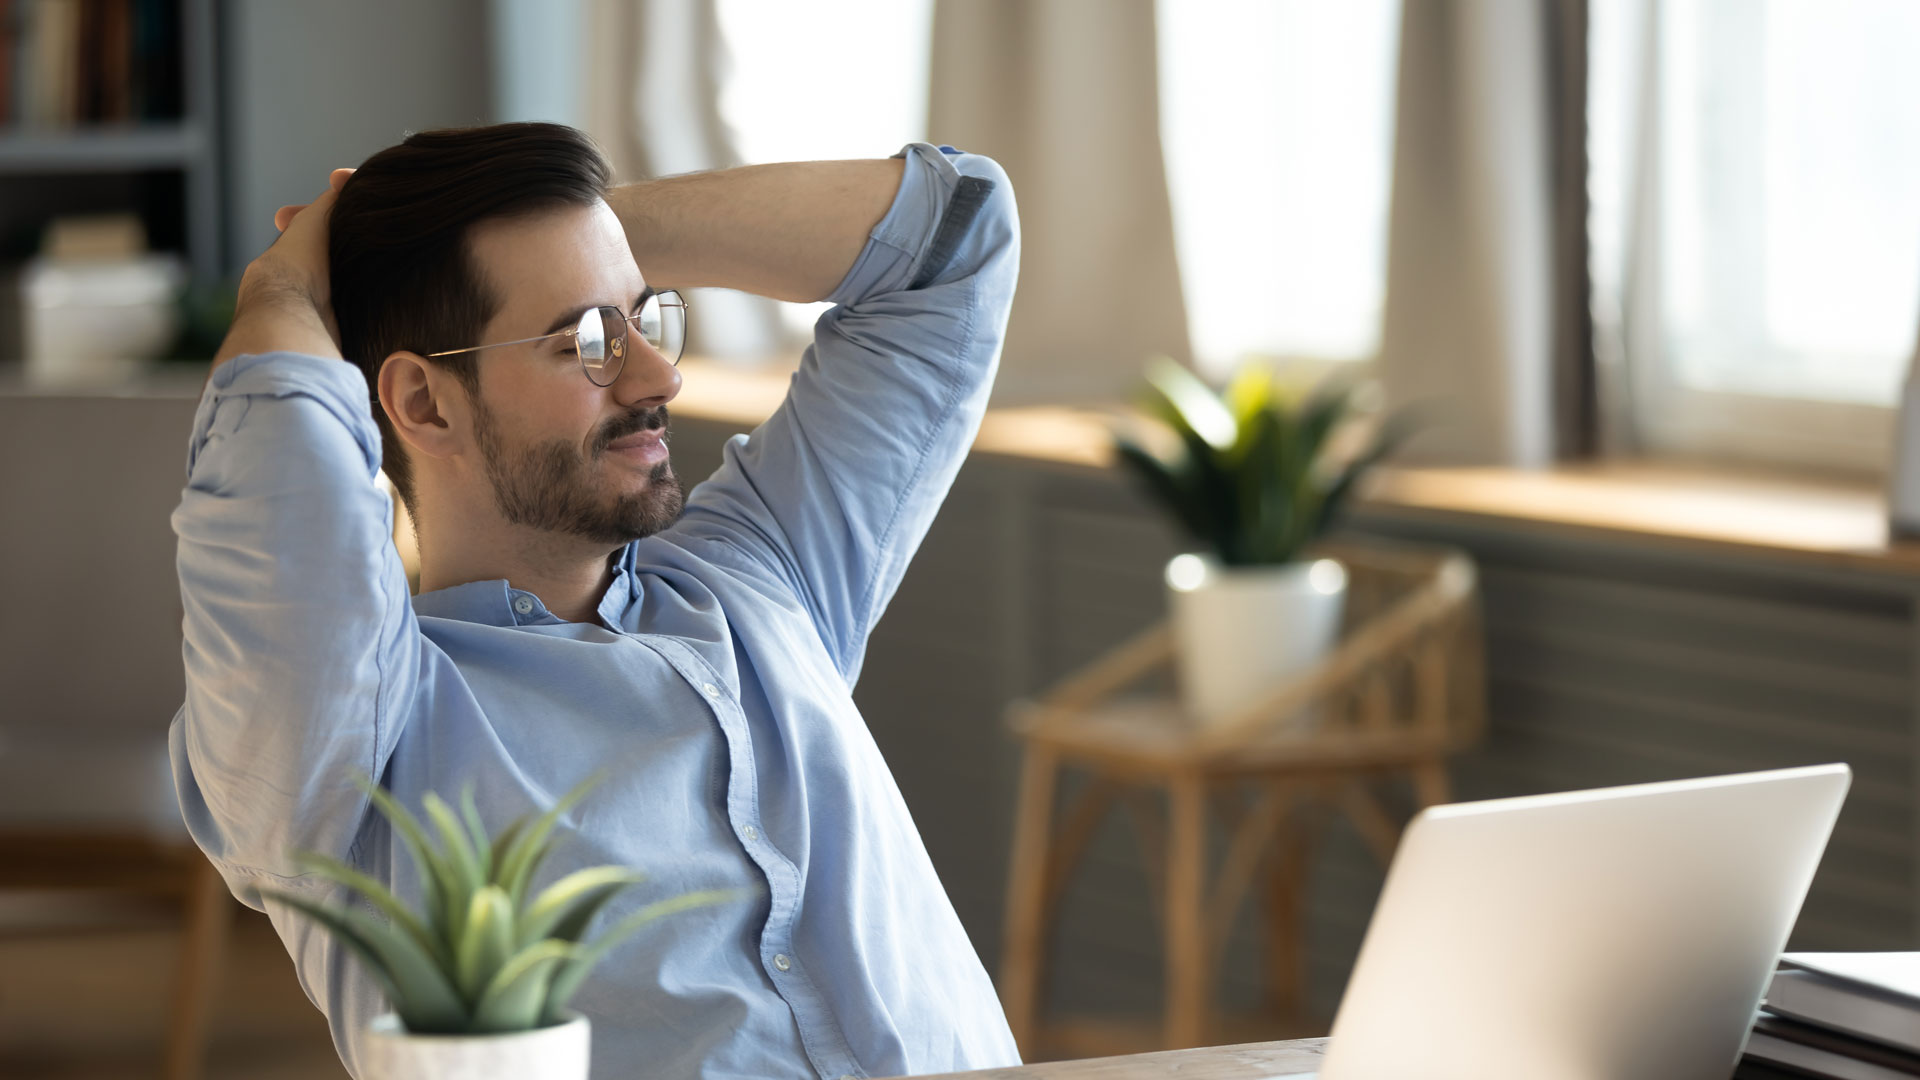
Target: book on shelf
68	64
9	33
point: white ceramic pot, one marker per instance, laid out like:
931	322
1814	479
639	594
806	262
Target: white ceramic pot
550	1053
1241	630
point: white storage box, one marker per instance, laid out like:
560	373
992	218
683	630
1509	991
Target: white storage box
89	322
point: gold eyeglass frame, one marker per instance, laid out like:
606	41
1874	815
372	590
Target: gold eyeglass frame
616	348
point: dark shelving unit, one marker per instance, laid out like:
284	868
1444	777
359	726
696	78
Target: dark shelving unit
167	171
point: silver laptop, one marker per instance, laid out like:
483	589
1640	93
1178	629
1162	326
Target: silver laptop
1620	934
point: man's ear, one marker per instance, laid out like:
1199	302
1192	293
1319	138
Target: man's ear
426	404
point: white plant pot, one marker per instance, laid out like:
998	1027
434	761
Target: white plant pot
551	1053
1240	631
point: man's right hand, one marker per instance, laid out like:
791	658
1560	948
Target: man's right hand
284	301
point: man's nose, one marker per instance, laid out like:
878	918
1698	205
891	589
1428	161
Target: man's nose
647	378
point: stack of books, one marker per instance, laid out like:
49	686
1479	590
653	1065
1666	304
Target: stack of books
75	63
1849	1016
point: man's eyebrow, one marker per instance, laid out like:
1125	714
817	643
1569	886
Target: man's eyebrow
572	318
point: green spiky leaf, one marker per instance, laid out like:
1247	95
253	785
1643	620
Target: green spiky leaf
463	869
574	971
437	884
516	997
1191	404
487	942
1394	434
477	962
563	910
381	897
529	845
476	832
417	986
455	842
1167	486
497	857
1252	482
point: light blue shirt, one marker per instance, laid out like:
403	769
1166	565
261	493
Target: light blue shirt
714	687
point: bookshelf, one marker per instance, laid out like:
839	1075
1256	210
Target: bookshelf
148	146
93	153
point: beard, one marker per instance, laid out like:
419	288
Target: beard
550	485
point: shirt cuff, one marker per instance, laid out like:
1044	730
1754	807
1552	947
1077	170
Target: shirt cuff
897	245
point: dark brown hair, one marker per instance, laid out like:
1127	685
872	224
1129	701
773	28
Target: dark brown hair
401	272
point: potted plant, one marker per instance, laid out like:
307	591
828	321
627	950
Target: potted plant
479	981
1253	476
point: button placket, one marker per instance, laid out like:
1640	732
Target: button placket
825	1040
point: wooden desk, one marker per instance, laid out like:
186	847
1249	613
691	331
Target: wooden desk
1247	1061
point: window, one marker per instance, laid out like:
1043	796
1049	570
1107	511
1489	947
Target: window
1276	120
846	79
1782	251
819	81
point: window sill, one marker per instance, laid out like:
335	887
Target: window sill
1836	521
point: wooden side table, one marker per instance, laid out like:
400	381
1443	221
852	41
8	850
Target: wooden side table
1401	691
133	862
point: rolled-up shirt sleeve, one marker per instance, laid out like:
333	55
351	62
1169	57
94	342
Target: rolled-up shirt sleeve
300	644
834	492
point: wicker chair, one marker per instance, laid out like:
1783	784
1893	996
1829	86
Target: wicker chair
1400	692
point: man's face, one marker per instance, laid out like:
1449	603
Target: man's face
561	454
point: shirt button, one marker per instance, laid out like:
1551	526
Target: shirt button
750	833
523	604
712	690
780	961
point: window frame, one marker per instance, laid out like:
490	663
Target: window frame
1666	418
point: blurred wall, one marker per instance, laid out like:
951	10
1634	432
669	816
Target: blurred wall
311	87
90	638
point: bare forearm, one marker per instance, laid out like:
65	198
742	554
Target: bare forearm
276	316
790	231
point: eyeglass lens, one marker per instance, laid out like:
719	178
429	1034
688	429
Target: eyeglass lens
601	337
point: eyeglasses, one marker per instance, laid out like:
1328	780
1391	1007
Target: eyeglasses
600	340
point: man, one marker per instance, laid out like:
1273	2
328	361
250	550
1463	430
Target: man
571	617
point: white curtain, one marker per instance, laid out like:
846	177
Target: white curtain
652	101
1624	137
1468	330
1063	94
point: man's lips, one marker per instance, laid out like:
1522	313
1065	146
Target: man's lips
641	447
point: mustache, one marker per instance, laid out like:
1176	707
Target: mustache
654	419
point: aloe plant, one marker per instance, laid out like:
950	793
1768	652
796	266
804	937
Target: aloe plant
483	957
1253	480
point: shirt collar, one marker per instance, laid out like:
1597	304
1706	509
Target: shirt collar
622	591
495	603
